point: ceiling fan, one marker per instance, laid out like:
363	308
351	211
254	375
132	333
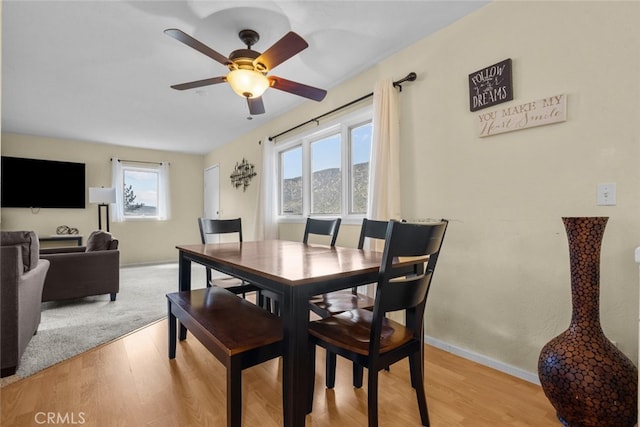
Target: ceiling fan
248	68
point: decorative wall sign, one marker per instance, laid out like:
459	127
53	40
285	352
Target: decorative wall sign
490	86
522	116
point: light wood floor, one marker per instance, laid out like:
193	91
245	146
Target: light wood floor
131	382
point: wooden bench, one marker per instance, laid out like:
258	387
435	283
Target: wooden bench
238	333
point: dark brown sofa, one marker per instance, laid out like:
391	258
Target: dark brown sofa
22	276
82	271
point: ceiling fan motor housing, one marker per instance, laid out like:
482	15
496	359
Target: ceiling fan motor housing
243	59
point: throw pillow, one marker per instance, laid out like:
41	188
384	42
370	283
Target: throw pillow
28	241
99	241
113	245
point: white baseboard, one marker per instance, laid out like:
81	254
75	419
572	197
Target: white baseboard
531	377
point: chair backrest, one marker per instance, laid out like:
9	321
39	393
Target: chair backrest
372	229
323	227
219	226
29	246
409	292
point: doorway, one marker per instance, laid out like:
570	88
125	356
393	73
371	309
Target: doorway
212	192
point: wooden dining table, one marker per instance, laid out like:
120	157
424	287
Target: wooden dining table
296	272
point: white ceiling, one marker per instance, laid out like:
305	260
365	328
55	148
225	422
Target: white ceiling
100	70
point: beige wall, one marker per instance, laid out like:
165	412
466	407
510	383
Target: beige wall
502	286
140	241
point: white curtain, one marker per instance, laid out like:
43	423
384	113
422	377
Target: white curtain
384	167
266	227
117	183
164	195
384	170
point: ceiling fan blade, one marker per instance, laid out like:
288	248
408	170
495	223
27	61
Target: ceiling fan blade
256	106
195	44
200	83
289	45
297	88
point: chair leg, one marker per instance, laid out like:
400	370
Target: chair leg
259	298
172	332
358	372
276	308
113	296
417	381
234	394
372	398
208	277
330	369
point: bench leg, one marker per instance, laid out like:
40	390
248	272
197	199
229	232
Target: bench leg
234	394
172	332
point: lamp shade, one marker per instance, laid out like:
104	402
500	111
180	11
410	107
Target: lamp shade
248	83
102	195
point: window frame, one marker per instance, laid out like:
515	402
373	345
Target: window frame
342	125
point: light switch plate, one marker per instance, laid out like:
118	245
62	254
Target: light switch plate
606	194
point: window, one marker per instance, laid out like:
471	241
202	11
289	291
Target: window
360	154
326	176
325	172
142	190
291	182
140	195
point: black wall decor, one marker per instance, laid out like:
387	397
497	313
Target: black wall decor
242	174
490	86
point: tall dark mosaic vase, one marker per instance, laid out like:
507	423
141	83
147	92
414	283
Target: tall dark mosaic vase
586	378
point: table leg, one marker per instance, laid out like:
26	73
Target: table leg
295	315
184	283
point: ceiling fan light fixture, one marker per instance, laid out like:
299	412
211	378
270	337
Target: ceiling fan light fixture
248	83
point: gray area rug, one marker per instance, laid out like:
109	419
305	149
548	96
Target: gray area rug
71	327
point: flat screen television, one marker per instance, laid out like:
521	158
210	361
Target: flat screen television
37	183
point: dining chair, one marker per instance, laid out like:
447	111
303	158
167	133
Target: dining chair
216	227
368	337
336	302
321	227
326	305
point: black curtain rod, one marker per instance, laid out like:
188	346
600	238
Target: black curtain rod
138	161
410	77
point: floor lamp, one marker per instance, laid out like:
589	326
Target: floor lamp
103	197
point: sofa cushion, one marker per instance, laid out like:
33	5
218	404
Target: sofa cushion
99	241
28	242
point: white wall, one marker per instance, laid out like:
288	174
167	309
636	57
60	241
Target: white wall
502	286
